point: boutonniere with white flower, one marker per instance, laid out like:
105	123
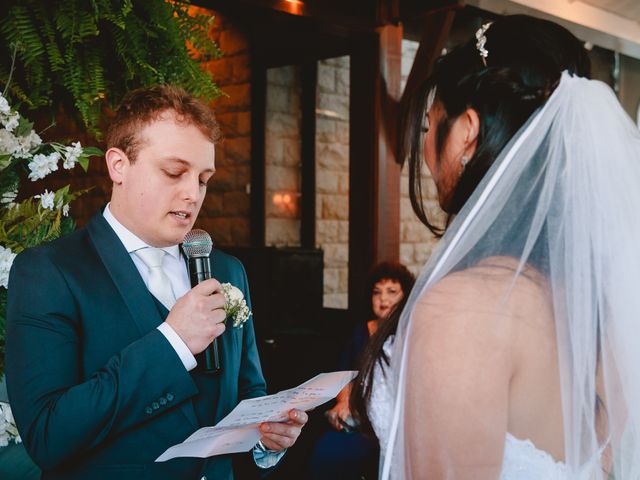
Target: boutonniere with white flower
235	306
8	430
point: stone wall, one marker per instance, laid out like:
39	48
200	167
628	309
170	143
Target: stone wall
283	123
282	152
332	178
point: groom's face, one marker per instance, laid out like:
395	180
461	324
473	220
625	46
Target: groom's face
159	194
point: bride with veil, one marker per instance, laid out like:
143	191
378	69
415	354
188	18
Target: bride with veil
517	354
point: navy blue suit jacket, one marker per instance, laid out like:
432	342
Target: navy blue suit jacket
97	391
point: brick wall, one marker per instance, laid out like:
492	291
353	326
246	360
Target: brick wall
225	212
226	209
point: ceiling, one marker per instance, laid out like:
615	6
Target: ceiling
624	8
611	24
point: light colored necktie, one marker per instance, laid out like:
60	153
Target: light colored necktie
159	283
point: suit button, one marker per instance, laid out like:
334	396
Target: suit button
169	397
155	405
148	410
163	401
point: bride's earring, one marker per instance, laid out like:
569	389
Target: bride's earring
463	161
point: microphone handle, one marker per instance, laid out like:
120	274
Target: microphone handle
199	271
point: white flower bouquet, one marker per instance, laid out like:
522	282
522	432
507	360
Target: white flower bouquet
235	306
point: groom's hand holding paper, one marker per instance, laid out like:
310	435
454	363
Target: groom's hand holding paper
246	424
277	436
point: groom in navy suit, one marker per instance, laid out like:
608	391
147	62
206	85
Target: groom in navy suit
101	343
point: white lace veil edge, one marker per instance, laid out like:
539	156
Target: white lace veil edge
564	195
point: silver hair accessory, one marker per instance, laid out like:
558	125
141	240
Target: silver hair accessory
482	39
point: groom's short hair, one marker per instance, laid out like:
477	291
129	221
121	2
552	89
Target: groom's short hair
143	106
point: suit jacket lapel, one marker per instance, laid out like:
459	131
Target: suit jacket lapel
126	277
146	313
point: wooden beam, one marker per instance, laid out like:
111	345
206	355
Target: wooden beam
340	15
388	172
374	173
258	141
309	80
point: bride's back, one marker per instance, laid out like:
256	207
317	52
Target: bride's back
534	404
482	354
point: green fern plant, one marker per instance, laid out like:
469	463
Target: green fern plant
84	55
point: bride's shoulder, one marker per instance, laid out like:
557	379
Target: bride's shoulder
496	289
487	282
475	311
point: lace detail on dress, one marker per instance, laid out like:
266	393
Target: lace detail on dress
523	461
379	408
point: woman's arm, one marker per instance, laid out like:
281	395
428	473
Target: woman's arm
340	414
459	368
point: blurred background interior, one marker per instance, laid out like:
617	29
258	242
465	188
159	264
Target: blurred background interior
309	191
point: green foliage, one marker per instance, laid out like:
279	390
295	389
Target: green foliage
27	224
85	54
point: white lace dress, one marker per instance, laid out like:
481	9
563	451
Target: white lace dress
522	460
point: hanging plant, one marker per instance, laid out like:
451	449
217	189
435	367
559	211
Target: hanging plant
83	55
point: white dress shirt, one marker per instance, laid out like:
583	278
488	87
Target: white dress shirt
176	269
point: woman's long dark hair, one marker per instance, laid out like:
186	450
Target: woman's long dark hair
526	58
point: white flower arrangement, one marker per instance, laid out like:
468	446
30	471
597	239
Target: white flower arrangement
31	220
8	430
235	306
28	223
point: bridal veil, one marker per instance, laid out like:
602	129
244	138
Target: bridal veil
564	198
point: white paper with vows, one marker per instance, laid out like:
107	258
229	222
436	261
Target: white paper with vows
238	431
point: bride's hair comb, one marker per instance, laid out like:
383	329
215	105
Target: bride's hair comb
481	40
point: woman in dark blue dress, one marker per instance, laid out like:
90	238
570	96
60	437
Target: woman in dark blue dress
344	452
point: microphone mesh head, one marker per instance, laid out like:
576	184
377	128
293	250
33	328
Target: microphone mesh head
197	243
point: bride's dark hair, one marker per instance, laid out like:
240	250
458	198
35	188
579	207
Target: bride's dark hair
526	57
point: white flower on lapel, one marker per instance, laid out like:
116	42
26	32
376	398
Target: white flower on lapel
235	306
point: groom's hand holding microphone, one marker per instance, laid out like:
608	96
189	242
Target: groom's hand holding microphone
198	316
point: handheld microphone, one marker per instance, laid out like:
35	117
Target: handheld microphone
197	246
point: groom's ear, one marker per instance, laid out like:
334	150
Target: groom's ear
117	161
